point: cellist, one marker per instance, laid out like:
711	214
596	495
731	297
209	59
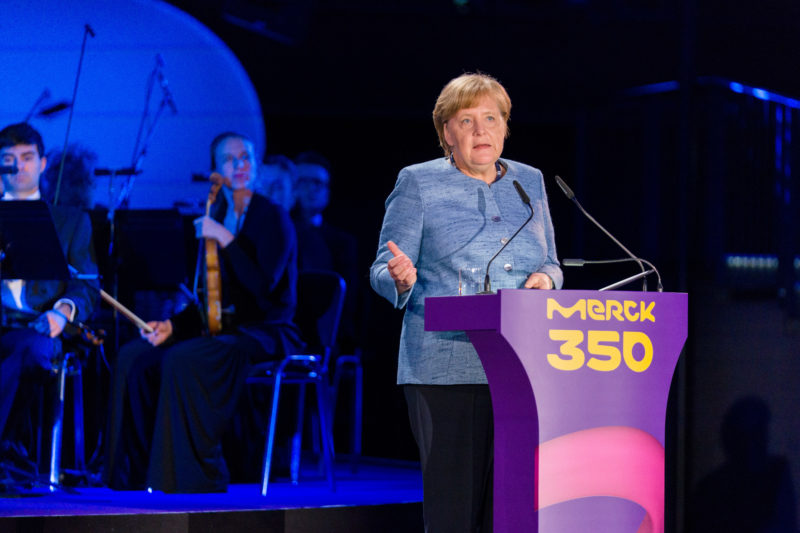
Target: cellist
175	390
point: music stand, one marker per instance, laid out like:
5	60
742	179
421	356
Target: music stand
151	259
29	245
151	248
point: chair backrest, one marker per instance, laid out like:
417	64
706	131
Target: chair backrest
320	298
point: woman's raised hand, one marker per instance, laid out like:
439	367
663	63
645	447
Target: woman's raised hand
400	267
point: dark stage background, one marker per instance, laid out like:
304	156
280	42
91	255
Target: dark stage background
674	122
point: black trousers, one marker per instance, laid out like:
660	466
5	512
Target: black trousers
170	408
453	427
23	352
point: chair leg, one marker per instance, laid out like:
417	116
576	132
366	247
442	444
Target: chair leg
337	378
77	391
58	425
325	430
40	393
270	436
297	438
357	423
316	437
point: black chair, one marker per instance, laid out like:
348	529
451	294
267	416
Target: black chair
70	365
320	297
79	343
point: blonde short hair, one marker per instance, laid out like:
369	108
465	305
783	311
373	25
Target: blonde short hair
464	92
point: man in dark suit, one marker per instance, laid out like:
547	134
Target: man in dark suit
322	246
36	312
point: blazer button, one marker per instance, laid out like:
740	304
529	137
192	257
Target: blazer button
496	218
507	267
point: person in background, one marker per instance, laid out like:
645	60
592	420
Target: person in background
175	390
322	245
276	180
77	178
442	215
36	312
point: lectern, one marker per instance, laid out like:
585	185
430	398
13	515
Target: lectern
579	383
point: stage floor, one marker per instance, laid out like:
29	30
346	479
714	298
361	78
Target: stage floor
378	491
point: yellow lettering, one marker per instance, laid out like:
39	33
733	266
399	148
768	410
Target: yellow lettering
632	316
596	310
647	312
573	357
612	357
631	339
614	308
566	312
629	310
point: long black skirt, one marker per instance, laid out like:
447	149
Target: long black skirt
170	408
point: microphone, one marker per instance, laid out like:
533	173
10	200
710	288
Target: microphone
127	171
571	196
487	284
164	83
53	109
564	187
89	30
569	262
523	195
8	169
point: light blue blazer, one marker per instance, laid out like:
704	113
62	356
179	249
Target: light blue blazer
444	220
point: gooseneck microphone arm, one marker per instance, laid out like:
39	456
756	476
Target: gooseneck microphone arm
571	195
569	262
37	104
627	280
487	283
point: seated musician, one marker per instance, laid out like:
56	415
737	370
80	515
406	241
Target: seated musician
175	390
36	312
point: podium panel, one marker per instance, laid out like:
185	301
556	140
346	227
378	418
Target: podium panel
579	383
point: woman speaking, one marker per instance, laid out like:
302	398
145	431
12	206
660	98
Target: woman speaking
443	216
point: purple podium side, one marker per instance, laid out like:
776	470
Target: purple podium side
579	383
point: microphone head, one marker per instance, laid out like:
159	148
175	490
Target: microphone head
8	169
53	109
564	187
522	194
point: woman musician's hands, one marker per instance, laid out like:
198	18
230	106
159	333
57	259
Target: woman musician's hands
162	330
402	270
207	228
